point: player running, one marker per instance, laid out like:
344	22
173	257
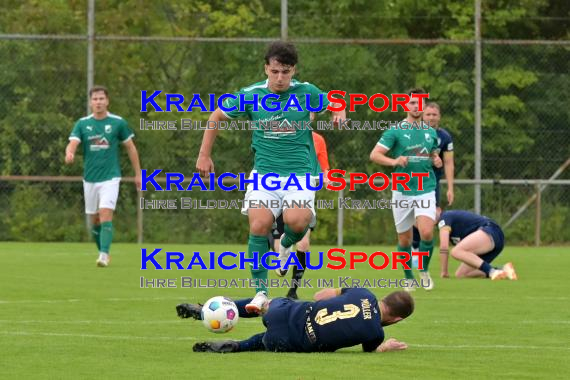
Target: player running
100	133
284	150
413	149
432	115
339	318
478	241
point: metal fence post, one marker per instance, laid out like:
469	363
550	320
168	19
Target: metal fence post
477	199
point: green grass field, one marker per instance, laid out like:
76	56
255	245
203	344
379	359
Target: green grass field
62	317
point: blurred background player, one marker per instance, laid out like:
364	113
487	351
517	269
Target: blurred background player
432	115
414	150
304	245
478	241
339	318
283	150
100	133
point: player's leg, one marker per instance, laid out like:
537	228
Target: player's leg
108	192
469	251
91	208
254	343
404	221
260	222
194	310
298	214
425	213
302	248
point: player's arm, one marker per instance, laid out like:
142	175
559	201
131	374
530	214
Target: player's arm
204	164
135	162
391	345
327	293
379	156
337	116
449	168
444	250
70	150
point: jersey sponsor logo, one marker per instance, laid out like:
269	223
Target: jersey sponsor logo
98	142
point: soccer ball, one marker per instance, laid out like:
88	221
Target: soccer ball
220	314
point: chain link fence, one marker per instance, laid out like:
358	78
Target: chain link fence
525	120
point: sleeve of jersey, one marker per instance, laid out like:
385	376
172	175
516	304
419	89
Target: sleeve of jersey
125	133
232	106
388	139
371	345
322	155
444	223
318	98
449	145
75	133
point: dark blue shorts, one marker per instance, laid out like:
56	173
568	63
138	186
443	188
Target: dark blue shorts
498	237
285	326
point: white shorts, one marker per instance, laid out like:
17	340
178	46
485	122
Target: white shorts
409	207
101	195
279	200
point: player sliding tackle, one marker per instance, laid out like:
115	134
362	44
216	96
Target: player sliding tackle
338	318
283	150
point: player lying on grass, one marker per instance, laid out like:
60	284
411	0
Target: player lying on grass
478	241
338	318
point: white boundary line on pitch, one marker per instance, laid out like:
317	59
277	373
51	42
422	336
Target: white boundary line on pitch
169	338
490	346
257	320
186	299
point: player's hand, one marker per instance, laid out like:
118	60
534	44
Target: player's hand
450	197
392	345
401	161
138	181
437	162
445	274
69	157
204	165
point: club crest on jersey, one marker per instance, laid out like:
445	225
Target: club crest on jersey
428	137
108	128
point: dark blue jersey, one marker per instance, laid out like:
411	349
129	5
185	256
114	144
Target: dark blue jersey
349	319
444	144
463	223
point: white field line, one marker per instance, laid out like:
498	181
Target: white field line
257	320
169	338
186	299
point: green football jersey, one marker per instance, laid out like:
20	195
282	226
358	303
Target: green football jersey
417	144
286	147
100	140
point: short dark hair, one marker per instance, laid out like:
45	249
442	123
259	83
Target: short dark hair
433	105
416	90
283	52
94	89
400	304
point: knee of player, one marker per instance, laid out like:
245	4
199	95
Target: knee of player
456	253
304	246
259	227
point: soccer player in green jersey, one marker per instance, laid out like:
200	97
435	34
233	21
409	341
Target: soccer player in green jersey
100	133
285	150
413	149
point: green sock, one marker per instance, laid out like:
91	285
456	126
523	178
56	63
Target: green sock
292	237
407	272
106	236
96	233
426	246
258	244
